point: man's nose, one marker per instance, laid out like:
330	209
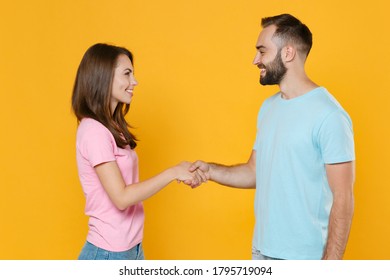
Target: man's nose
256	60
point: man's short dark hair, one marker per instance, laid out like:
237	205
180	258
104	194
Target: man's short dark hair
290	30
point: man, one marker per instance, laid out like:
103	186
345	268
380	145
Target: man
302	163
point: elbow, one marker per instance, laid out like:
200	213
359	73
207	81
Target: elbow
121	207
120	204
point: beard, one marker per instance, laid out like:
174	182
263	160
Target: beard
275	71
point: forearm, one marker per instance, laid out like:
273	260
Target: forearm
339	227
135	193
236	176
341	178
124	196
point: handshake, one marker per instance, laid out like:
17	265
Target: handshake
192	174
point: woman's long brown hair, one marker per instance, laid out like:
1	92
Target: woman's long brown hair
92	92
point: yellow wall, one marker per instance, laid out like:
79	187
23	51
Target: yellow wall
198	97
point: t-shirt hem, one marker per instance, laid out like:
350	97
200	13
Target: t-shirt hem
101	161
132	245
339	160
288	257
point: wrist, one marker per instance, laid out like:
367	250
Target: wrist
212	167
171	173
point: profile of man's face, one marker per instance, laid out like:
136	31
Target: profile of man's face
269	47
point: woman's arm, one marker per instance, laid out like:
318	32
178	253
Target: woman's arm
124	196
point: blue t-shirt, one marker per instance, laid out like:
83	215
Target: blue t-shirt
295	139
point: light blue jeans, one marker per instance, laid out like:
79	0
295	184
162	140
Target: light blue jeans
257	255
91	252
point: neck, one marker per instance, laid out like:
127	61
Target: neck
297	84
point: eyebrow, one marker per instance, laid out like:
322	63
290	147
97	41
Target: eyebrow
260	47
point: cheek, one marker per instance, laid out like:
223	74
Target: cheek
120	84
268	63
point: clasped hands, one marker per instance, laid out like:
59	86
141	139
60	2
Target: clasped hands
193	174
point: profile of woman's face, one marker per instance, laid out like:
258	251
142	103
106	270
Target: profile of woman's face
123	82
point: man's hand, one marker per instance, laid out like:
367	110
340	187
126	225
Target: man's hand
202	172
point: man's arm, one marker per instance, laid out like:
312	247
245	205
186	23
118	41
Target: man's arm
341	178
236	176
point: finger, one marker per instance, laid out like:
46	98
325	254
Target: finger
188	182
195	185
194	166
202	176
197	178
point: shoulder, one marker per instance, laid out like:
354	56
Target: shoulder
267	102
91	125
88	123
271	99
266	105
95	142
327	100
326	105
334	119
92	129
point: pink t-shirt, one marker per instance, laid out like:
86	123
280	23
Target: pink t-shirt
109	228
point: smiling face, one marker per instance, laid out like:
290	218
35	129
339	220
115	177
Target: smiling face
123	82
268	58
273	73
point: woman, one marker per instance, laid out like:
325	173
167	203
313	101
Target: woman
106	160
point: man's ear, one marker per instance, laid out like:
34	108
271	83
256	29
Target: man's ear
289	53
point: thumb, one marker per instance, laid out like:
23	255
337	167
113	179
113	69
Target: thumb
193	167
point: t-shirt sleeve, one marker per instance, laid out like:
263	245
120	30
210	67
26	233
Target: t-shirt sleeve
336	138
97	145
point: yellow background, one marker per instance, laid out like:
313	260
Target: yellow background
197	98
